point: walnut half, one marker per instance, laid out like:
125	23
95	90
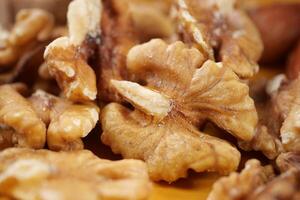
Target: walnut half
221	31
43	174
240	185
17	131
176	97
67	122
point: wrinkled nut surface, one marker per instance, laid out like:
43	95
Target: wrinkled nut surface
117	37
67	122
258	183
285	186
240	185
67	57
43	174
288	161
166	137
223	27
14	129
278	129
32	25
287	100
71	71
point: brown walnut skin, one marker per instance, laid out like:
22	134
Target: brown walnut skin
279	26
117	37
293	67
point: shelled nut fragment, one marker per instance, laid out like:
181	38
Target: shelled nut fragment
176	98
241	185
278	130
15	130
43	174
67	57
67	122
288	161
223	28
286	101
256	182
32	25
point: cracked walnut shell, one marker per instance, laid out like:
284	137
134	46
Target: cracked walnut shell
67	122
177	97
14	129
43	174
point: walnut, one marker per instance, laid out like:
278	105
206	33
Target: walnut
117	37
43	174
32	25
216	25
285	186
67	57
265	141
257	183
240	185
177	97
71	71
278	127
14	129
67	122
288	161
286	102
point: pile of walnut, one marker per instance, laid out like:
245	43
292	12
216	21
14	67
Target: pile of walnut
160	71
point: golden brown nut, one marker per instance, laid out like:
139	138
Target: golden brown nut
265	141
31	25
221	26
25	128
43	174
177	97
67	122
257	183
151	19
288	161
71	71
117	37
66	57
285	186
240	185
278	130
285	101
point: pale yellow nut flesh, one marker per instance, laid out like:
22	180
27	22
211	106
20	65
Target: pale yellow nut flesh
17	113
149	101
